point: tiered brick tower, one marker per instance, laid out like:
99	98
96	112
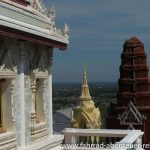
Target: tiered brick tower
133	105
134	81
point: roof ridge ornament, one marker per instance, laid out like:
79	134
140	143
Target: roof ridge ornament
39	6
51	13
66	30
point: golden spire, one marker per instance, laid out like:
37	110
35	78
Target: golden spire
85	96
86	115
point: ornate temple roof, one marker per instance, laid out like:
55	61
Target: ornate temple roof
86	115
31	20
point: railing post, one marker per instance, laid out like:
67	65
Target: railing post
70	138
139	143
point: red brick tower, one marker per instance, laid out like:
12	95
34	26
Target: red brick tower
134	81
133	98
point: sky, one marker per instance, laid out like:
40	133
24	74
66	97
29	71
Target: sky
98	29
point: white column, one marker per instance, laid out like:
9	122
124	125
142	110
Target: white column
50	56
22	98
21	70
51	105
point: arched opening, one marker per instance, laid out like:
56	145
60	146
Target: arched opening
5	105
39	104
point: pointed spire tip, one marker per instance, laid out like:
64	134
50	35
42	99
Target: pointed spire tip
85	89
85	68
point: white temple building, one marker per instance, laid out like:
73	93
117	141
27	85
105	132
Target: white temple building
28	36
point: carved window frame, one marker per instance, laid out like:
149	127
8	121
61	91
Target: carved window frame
39	111
39	75
4	75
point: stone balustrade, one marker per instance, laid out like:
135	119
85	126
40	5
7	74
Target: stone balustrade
94	139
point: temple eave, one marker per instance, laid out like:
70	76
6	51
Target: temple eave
22	35
25	3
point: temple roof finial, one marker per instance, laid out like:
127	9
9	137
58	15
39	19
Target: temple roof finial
52	12
85	88
84	75
66	31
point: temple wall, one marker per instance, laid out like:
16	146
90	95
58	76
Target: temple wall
22	65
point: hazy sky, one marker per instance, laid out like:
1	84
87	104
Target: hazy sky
98	29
